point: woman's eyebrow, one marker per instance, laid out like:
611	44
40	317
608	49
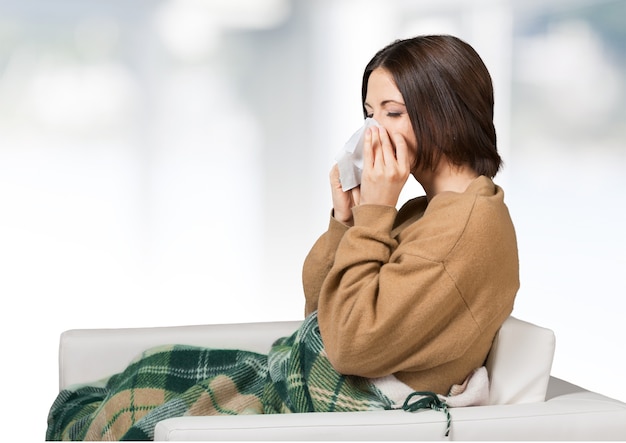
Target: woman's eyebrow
384	102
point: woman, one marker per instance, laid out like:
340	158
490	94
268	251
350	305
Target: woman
406	300
418	293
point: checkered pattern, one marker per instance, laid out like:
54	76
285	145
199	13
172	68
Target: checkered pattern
301	379
174	381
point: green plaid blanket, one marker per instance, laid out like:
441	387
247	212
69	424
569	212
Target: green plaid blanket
174	381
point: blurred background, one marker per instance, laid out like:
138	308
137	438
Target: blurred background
165	162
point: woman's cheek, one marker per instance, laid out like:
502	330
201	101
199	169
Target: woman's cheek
412	147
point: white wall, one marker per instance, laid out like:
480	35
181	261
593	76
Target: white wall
165	163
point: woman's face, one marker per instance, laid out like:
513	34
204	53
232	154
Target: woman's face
385	104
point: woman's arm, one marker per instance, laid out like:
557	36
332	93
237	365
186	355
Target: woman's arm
386	306
319	261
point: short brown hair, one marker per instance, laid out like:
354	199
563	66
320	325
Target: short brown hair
448	93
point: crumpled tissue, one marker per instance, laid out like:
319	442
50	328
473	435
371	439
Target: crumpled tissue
350	159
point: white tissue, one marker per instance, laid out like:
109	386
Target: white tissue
350	159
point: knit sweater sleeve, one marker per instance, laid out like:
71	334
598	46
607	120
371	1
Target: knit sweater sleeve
391	305
319	262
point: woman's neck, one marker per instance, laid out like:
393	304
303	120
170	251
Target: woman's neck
446	178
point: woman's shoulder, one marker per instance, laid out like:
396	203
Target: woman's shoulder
481	194
450	215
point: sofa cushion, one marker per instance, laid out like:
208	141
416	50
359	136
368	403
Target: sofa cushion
519	363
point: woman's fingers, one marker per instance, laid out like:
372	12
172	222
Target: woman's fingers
356	195
368	147
392	152
387	149
385	169
401	152
342	201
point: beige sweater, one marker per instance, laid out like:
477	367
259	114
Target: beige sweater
418	293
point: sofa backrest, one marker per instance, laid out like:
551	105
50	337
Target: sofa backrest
519	363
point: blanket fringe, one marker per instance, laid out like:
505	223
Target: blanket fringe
427	400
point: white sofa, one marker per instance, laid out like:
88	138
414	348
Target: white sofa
526	403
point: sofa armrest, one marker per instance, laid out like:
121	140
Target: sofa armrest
87	355
520	362
570	413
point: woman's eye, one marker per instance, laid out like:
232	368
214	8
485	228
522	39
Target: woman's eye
389	114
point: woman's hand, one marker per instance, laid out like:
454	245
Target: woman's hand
386	167
343	201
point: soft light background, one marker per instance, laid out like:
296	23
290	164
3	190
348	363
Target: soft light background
165	162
